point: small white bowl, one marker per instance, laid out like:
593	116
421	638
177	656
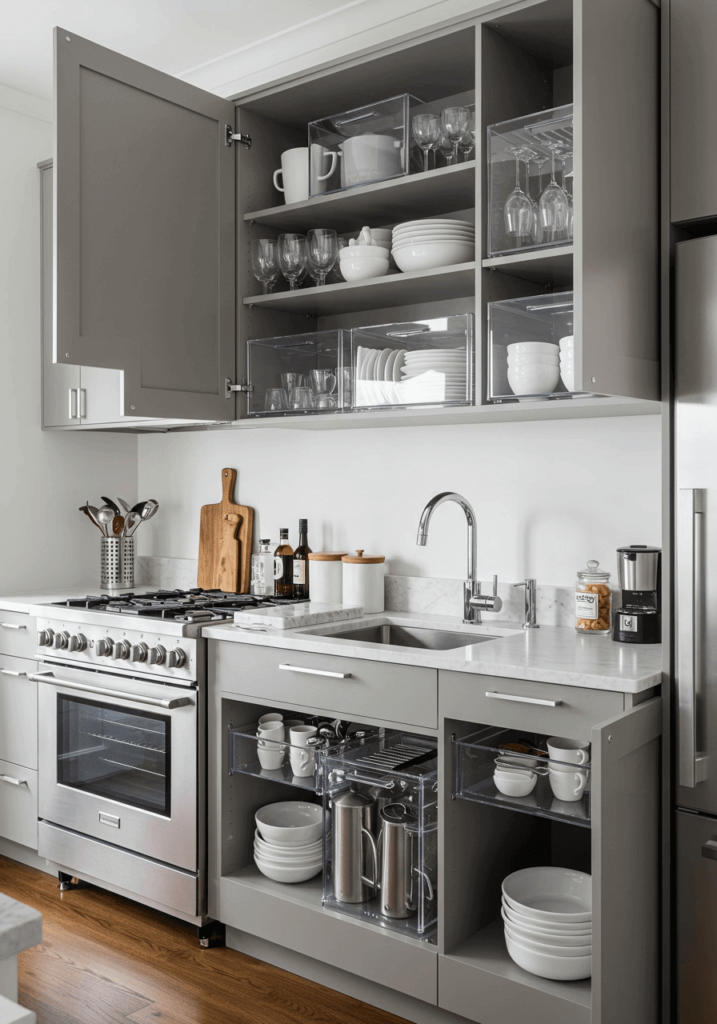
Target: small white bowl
582	930
516	761
533	380
535	934
290	822
532	347
528	359
352	251
360	268
538	946
567	343
281	873
556	968
282	848
433	254
514	783
550	894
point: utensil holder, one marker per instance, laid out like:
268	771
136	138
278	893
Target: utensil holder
111	563
127	547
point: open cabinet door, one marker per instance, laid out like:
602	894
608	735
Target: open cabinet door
144	231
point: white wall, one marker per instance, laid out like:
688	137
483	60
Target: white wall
44	477
548	495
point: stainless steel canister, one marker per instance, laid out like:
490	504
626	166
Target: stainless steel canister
353	840
398	872
110	563
638	568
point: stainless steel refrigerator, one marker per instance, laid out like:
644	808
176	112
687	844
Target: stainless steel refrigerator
695	542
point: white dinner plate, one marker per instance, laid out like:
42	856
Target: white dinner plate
431	232
434	222
371	358
419	352
398	365
388	369
380	365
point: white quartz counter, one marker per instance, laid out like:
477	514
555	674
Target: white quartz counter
551	654
20	927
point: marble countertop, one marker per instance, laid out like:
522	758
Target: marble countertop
20	927
551	654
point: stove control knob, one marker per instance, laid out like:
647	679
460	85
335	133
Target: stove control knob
157	655
176	658
120	650
138	652
104	647
44	637
77	643
60	641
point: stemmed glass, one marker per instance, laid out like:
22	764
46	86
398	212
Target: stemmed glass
540	162
322	250
518	212
265	261
445	147
456	121
292	258
553	205
526	155
468	140
566	155
427	132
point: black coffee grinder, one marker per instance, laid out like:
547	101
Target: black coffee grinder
639	576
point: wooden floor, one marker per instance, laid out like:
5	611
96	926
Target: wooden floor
107	960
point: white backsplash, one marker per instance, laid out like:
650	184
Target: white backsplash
403	593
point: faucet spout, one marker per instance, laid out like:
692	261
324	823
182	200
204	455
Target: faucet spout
472	587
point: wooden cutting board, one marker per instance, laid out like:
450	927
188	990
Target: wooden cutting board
225	542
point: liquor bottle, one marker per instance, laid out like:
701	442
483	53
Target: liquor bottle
301	562
285	582
265	568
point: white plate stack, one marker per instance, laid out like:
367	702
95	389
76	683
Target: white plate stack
435	375
425	244
547	916
567	361
288	844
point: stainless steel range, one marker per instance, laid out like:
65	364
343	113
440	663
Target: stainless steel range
122	729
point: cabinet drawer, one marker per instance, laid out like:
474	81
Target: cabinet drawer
17	634
351	688
576	710
18	711
18	804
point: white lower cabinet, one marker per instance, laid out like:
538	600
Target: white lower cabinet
18	804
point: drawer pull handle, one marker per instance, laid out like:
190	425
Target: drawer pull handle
9	672
13	782
12	625
523	700
709	849
315	672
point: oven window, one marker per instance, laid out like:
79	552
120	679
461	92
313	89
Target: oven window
119	754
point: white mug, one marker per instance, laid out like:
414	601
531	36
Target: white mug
294	173
268	745
318	175
572	751
274	716
303	762
567	785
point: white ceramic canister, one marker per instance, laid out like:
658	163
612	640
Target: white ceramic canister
363	581
326	575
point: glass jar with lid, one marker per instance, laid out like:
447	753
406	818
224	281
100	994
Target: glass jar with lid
593	601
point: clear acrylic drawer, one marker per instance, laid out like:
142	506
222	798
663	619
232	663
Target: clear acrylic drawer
530	166
424	362
360	146
531	348
299	374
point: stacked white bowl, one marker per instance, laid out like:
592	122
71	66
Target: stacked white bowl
533	367
288	840
424	244
567	361
547	916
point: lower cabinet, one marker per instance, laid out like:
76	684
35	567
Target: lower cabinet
18	804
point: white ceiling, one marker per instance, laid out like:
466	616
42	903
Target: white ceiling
175	36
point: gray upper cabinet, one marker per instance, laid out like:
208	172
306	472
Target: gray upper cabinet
144	232
693	113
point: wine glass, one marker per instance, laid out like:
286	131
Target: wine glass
265	261
322	250
445	147
456	121
537	231
553	205
526	156
426	132
518	212
468	140
292	258
564	156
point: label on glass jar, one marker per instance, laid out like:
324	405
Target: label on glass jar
299	572
586	605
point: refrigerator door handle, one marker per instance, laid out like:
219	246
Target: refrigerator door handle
709	849
692	768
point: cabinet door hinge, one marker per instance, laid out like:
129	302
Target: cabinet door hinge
232	136
244	387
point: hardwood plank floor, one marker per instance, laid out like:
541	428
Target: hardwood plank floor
107	960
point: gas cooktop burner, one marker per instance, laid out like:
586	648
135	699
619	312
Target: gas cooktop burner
194	605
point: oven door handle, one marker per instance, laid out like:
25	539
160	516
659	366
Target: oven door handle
169	703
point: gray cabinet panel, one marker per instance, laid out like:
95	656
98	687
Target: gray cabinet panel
696	920
18	804
17	634
18	711
144	231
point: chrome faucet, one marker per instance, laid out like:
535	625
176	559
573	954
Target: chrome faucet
531	603
473	601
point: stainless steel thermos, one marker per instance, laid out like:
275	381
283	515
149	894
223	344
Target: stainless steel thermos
354	825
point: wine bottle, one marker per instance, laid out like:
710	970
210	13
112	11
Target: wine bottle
285	583
301	562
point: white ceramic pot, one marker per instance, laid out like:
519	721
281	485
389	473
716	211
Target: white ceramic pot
363	581
368	158
327	576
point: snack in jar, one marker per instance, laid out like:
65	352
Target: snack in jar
593	601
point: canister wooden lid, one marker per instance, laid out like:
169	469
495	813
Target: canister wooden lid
326	556
360	559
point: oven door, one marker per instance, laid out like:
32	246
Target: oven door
118	761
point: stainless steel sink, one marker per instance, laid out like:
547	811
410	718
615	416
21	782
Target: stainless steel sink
411	636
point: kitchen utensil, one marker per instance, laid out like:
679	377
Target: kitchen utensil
292	258
398	874
125	505
321	252
127	561
117	525
265	261
353	841
84	508
105	515
112	504
139	507
149	509
290	822
131	523
110	563
427	132
225	546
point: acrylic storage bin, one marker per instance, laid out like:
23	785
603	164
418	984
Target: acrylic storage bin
424	363
382	867
371	143
299	374
527	207
531	349
475	764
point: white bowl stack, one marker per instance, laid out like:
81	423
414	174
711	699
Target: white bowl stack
288	843
425	244
533	367
547	916
567	361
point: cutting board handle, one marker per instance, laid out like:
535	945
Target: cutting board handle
229	479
